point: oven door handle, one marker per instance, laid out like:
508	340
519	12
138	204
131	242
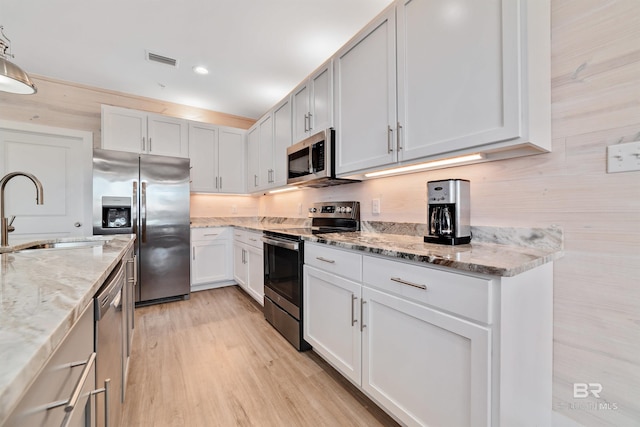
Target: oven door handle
280	243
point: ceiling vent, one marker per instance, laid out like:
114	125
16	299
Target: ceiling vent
161	59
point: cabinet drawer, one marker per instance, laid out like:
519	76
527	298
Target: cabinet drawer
251	238
464	295
210	233
56	381
336	261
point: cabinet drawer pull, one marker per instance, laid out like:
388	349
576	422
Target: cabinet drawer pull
362	325
211	234
353	309
254	240
389	138
404	282
105	390
75	394
330	261
398	140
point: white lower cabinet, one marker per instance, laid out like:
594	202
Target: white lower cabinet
332	321
45	403
431	346
211	264
248	263
424	366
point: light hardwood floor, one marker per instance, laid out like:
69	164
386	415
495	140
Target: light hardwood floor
214	361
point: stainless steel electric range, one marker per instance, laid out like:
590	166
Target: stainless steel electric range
283	263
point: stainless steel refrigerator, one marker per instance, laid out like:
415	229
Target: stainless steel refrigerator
147	195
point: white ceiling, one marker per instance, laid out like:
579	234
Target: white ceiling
256	50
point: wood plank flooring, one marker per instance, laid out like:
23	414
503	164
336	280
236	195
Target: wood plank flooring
214	361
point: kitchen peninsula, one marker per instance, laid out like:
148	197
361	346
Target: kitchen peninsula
43	294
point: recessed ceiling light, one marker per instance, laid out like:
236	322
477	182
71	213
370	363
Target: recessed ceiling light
199	69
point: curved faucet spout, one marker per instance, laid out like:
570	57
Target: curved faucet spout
3	184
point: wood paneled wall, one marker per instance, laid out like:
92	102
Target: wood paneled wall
75	106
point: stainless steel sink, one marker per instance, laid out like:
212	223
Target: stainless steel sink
63	245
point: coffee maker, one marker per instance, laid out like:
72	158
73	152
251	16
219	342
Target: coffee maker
448	212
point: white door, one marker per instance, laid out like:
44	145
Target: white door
457	75
62	160
332	321
427	367
231	160
365	98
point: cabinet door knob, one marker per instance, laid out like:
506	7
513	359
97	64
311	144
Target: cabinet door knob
77	224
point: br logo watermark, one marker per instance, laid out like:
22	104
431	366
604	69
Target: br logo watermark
583	390
586	391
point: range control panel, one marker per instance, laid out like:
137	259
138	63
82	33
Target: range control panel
349	210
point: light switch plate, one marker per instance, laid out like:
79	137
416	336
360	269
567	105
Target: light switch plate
623	157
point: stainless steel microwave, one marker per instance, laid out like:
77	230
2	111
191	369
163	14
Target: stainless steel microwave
311	162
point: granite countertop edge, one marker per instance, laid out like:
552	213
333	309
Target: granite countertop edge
494	251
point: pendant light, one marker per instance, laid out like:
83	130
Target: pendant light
12	78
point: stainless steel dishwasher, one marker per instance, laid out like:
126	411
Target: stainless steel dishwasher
109	346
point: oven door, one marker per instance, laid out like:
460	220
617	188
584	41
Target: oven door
283	273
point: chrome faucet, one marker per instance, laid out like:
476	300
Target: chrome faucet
6	223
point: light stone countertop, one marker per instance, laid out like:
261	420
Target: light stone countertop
42	294
495	251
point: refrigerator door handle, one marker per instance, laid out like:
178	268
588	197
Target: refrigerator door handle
134	208
143	212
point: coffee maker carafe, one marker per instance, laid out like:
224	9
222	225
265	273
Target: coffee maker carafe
448	212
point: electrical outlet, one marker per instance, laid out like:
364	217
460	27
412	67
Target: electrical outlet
623	157
375	206
234	209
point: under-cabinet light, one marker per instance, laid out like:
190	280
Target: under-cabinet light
427	165
282	190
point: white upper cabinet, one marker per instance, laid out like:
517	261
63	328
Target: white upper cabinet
312	103
282	138
365	97
217	158
266	151
253	158
267	143
231	160
203	150
260	154
470	78
135	131
458	73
